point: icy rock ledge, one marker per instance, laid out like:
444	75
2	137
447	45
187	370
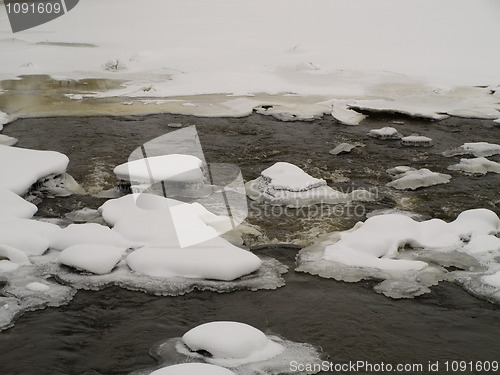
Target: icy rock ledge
286	184
406	178
240	347
411	256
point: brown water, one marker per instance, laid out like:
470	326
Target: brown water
110	332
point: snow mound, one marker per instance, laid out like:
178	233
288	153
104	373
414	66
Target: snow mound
476	166
14	206
26	167
478	149
216	260
90	233
14	256
414	179
230	344
286	184
31	236
5	140
386	132
409	256
98	259
193	369
416	141
243	348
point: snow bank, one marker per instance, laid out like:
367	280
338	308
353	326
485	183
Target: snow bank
25	167
286	184
415	179
192	369
476	166
90	233
98	259
14	206
229	344
478	149
216	259
405	253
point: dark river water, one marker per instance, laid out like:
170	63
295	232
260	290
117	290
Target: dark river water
111	331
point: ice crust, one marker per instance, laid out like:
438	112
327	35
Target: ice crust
286	184
411	256
414	179
477	149
25	167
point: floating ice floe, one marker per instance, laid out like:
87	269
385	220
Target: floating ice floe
5	140
414	179
416	141
238	346
345	115
386	132
25	167
98	259
476	166
344	148
478	149
12	205
175	172
411	256
193	369
286	184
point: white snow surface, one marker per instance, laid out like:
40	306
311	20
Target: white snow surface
476	166
216	259
31	236
5	140
12	205
25	167
388	59
98	259
193	369
4	118
231	344
493	280
174	167
414	179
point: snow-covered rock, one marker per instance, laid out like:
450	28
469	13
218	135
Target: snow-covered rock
414	179
31	236
230	344
478	149
13	205
216	259
416	141
176	171
25	167
386	132
90	233
286	184
193	369
98	259
476	166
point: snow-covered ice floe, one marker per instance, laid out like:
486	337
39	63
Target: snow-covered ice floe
387	132
411	256
476	166
416	141
407	178
477	149
286	184
243	349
